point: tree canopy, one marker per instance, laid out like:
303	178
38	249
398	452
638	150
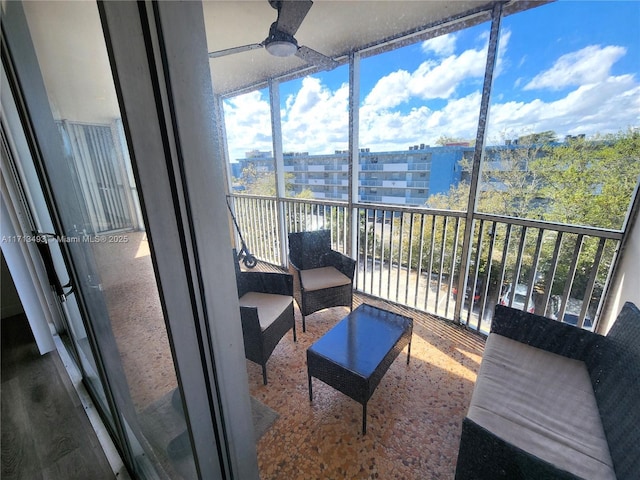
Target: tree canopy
585	182
590	182
264	183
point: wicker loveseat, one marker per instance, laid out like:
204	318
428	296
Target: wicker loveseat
552	401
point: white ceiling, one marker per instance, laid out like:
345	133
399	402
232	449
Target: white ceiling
332	27
68	40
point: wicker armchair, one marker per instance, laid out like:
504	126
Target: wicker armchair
322	277
266	312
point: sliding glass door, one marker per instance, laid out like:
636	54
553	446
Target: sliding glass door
85	167
143	316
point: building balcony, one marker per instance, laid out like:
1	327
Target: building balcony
143	142
406	262
414	416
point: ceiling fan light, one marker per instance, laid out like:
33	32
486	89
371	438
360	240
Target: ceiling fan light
281	48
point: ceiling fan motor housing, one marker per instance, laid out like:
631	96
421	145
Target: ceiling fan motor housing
279	43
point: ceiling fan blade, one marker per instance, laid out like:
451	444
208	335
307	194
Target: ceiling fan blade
291	14
316	58
230	51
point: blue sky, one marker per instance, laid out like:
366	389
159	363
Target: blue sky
571	66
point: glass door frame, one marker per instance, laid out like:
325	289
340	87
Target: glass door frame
160	67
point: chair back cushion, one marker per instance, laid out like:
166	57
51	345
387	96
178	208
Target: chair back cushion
307	249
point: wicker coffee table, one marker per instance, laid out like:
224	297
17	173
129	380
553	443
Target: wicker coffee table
354	355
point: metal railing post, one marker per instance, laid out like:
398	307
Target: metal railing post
278	158
496	15
354	151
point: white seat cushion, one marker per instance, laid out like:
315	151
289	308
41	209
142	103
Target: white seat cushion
542	403
270	306
321	278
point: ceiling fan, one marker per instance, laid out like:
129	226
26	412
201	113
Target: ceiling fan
280	41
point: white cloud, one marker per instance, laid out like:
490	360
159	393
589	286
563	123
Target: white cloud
586	66
392	130
390	91
443	46
431	80
605	107
502	64
441	81
316	119
248	124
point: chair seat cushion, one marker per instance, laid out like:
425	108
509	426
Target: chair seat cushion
542	403
270	306
323	277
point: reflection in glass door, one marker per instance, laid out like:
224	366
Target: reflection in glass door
118	325
103	174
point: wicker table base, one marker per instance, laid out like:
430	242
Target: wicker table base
354	355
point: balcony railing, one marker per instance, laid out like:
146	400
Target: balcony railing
413	257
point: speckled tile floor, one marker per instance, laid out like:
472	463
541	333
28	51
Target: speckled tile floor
414	417
132	299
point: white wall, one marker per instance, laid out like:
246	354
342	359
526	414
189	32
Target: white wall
626	285
26	280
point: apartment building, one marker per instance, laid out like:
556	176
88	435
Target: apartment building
406	177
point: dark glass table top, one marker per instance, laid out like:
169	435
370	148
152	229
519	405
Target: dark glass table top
361	340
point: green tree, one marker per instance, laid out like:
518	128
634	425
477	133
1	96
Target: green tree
540	138
257	182
508	184
456	199
580	182
444	140
306	193
590	182
264	183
